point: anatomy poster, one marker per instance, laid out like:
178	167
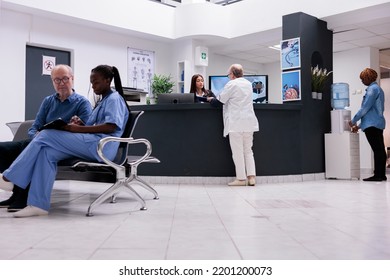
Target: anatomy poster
140	69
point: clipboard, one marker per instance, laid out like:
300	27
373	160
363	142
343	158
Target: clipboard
56	124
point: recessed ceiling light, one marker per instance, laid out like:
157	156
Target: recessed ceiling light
275	47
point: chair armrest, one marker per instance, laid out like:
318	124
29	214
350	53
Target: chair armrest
130	141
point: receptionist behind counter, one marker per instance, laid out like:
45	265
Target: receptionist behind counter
197	87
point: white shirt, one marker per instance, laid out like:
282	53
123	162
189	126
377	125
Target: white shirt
238	112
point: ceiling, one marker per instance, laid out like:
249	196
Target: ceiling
369	27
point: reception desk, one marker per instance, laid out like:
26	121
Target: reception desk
188	140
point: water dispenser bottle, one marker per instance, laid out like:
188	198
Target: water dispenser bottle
340	95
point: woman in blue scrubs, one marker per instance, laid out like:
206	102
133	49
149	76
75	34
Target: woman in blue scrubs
37	164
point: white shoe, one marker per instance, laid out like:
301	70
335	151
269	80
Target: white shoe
4	185
30	211
251	182
237	183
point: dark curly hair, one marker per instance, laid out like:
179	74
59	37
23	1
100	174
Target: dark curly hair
369	75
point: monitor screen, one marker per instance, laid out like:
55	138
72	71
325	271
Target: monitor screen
259	86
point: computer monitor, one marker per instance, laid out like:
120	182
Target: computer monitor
259	86
175	98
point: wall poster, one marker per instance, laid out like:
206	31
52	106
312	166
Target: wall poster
291	85
48	63
140	69
290	51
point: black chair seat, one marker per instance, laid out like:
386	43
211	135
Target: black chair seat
69	170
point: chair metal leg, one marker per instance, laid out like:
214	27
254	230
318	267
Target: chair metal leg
143	184
137	196
111	192
103	197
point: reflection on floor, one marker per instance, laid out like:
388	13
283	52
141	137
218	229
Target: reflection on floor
323	219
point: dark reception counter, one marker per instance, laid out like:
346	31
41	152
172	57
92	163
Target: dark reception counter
188	140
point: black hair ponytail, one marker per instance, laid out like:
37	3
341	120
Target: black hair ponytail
117	81
111	72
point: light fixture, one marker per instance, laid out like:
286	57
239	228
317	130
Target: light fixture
275	47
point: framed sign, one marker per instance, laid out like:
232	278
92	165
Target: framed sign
290	51
291	85
140	69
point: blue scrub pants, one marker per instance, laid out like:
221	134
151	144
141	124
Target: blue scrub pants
37	164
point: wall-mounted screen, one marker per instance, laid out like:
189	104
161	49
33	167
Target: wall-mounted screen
259	86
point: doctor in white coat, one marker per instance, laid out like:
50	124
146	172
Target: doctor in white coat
240	123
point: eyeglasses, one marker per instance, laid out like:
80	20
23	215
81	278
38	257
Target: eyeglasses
58	80
229	74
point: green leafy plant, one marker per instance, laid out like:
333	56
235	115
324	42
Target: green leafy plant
318	78
162	84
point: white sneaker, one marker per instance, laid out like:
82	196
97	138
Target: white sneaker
252	182
4	185
30	211
237	183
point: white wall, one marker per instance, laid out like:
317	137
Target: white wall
13	34
385	85
274	82
347	66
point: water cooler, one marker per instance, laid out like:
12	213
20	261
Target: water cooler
342	157
339	115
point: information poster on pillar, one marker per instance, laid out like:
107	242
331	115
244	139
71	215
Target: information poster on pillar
290	52
291	85
140	69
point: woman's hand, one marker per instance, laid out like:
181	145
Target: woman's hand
76	120
73	127
355	128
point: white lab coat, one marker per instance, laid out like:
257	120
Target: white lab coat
238	113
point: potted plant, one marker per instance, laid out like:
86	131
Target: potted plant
162	84
318	78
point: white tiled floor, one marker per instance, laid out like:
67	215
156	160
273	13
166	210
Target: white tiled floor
323	219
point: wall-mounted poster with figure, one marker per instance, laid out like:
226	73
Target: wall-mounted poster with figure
291	85
290	51
140	69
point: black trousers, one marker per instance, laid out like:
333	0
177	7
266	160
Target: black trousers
375	139
9	151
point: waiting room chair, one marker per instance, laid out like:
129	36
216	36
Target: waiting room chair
20	129
119	167
122	171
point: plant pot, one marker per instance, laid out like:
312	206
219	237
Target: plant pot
314	95
319	95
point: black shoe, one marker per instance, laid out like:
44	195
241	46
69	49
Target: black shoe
17	205
20	200
6	203
375	179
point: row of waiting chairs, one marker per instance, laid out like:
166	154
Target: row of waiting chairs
122	171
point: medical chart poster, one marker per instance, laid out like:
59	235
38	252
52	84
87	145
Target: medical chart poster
140	69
